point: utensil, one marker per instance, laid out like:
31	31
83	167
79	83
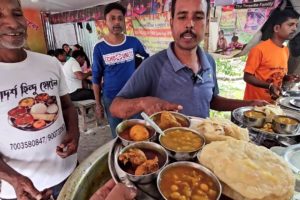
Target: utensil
182	155
184	120
253	118
152	123
126	124
213	178
283	127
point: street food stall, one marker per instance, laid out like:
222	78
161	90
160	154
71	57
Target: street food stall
198	158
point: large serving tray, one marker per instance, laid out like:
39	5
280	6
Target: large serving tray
237	114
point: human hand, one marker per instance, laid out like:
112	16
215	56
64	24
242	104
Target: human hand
258	103
113	191
153	104
274	91
99	111
25	190
68	146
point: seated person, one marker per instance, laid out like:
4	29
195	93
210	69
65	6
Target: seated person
222	42
234	44
61	55
74	77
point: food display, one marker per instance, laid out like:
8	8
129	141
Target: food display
139	162
34	113
134	130
138	132
270	111
181	140
215	129
187	182
248	171
166	119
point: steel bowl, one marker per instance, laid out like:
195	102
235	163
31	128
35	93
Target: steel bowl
194	165
126	124
282	127
182	155
148	178
254	121
181	117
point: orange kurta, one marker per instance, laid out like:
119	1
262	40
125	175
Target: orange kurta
267	62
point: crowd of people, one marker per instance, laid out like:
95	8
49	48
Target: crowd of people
35	161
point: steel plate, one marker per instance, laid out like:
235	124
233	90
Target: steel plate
238	116
286	102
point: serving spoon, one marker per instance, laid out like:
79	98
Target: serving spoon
152	123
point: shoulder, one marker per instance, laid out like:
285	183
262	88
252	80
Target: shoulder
100	43
158	58
43	59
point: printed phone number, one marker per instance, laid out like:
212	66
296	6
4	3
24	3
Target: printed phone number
36	142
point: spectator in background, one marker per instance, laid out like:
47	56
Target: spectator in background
114	60
68	50
222	42
234	44
267	62
87	65
61	55
74	77
50	52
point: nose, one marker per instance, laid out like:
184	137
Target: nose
190	24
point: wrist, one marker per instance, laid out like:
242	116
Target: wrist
270	87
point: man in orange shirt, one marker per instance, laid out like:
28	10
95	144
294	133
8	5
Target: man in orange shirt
267	62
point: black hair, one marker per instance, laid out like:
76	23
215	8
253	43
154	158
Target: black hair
58	52
112	6
173	5
78	47
283	15
51	52
78	53
65	45
235	38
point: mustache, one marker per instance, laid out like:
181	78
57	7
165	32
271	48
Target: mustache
188	31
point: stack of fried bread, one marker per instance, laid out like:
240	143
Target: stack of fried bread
248	171
215	129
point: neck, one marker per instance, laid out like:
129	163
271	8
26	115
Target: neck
115	39
12	55
278	41
188	58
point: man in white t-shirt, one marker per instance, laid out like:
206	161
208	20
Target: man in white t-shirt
75	76
38	122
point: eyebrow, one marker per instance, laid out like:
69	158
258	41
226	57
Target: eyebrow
185	12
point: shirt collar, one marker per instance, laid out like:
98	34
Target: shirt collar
177	65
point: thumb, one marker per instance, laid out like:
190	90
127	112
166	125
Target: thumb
173	106
121	192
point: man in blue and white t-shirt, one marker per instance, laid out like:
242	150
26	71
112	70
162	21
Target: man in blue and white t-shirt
114	60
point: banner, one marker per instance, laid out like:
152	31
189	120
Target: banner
149	28
238	26
36	37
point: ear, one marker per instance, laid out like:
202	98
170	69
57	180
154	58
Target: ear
276	28
171	22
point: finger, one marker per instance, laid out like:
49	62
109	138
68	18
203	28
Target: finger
121	192
103	192
46	194
32	191
171	106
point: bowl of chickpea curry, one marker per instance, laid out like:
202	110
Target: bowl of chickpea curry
188	180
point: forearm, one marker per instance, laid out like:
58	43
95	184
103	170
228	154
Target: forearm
125	108
70	116
97	93
7	173
251	79
224	104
